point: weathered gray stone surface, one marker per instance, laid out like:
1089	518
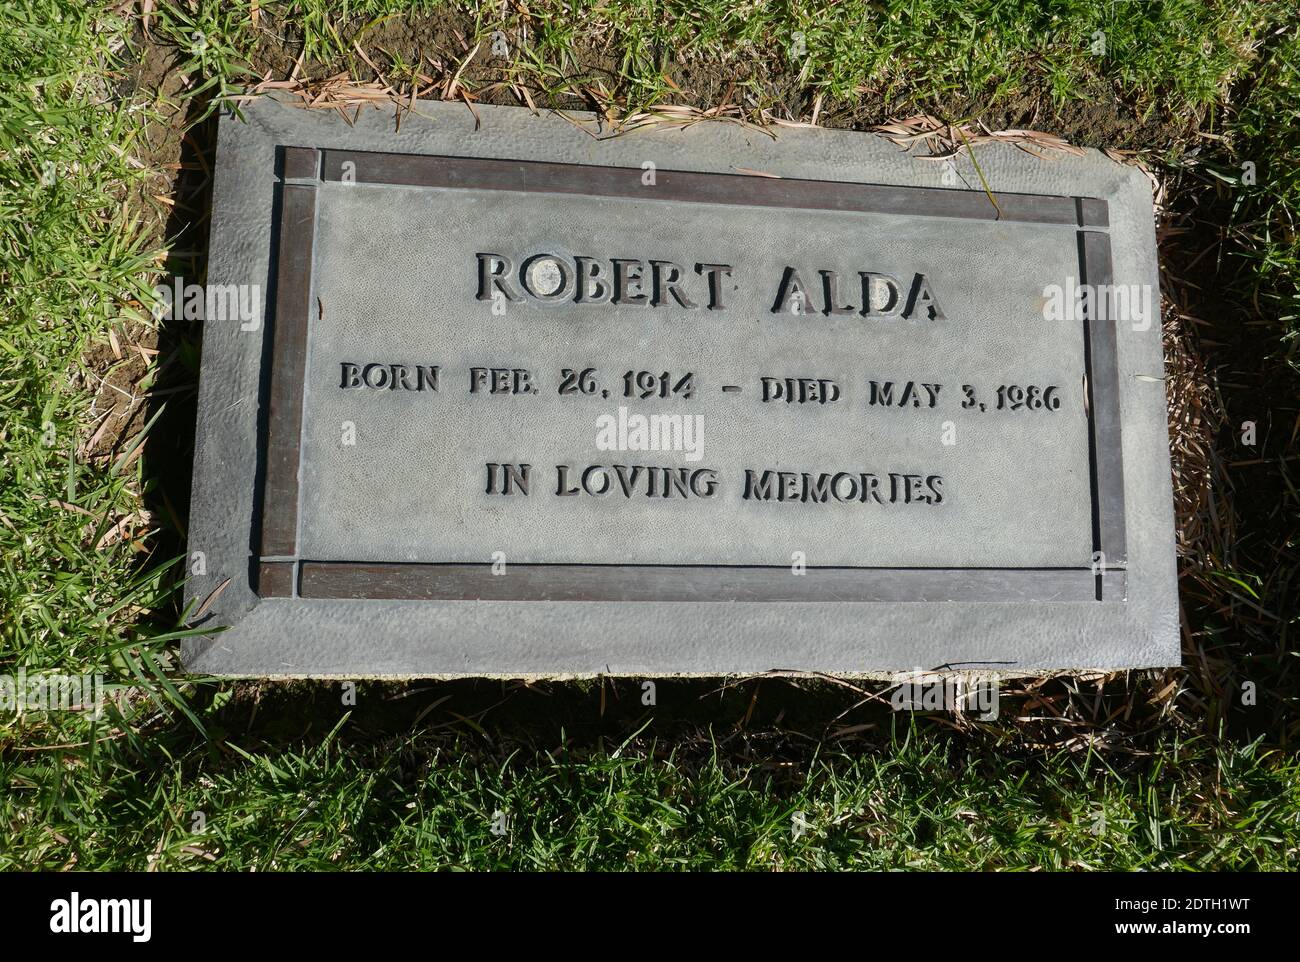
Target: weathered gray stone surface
395	281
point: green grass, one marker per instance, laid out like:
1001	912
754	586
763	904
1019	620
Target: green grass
1269	127
72	255
1174	56
287	777
354	796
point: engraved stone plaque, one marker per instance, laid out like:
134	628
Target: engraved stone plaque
517	400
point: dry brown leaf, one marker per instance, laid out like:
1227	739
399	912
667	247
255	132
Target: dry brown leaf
210	600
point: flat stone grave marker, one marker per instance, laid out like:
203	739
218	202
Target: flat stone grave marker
505	395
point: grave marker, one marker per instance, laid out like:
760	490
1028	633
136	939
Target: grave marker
525	402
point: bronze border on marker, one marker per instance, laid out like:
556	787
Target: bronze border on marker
283	574
293	297
709	583
301	163
275	579
744	190
1106	452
